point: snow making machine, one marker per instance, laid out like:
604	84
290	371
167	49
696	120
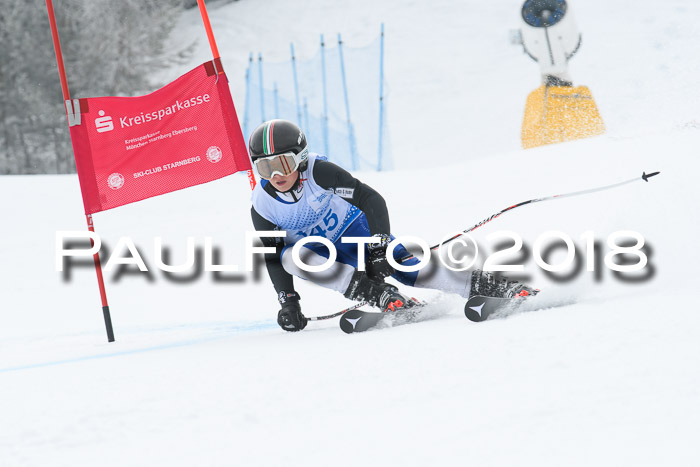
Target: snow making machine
557	111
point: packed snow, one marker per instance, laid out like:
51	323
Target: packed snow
200	373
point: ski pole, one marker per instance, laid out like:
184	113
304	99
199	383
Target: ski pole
644	177
354	307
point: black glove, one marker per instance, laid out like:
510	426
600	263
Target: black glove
290	317
376	264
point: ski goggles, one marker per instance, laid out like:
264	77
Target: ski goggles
282	164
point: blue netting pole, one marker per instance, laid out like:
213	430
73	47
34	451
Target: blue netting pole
324	124
247	96
306	120
381	99
351	133
277	102
262	91
296	83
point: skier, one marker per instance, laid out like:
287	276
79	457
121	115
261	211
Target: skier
303	194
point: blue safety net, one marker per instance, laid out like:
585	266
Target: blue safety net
334	97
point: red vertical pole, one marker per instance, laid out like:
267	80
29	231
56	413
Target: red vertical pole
101	284
207	26
67	101
215	53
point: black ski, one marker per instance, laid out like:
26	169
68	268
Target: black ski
360	320
480	308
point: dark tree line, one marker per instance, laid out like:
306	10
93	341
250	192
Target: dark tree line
109	48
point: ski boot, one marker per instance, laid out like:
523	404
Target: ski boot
485	284
380	294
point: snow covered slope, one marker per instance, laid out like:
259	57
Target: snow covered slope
200	373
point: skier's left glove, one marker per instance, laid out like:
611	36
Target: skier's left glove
290	317
376	264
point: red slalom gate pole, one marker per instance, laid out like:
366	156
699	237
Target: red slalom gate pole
207	26
215	53
67	102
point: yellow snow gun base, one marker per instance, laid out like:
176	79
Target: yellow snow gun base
555	114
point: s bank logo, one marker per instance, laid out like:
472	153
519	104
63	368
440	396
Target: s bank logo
103	124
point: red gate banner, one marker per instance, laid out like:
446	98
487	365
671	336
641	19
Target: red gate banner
131	148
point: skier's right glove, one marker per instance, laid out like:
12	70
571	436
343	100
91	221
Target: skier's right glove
376	264
290	317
